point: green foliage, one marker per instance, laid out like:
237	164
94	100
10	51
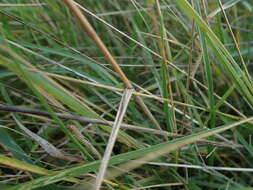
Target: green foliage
190	62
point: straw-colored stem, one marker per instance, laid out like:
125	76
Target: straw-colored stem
93	35
112	139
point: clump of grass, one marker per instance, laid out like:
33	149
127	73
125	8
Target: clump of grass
67	67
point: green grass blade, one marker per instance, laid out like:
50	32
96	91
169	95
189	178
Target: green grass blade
148	153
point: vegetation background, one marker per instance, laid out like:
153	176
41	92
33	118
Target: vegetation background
188	124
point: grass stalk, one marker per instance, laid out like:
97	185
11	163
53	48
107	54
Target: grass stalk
93	35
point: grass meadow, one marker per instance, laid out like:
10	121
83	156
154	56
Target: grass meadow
126	94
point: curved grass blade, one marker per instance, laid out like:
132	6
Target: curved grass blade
58	93
230	65
149	153
14	163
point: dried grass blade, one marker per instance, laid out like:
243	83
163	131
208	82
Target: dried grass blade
48	147
115	129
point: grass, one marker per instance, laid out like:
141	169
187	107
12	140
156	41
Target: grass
190	113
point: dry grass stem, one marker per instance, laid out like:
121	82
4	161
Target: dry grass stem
114	133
